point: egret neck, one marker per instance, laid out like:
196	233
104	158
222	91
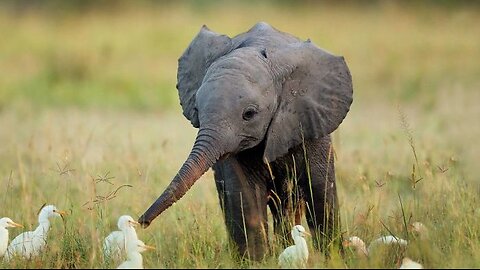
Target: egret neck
43	226
301	246
3	240
130	236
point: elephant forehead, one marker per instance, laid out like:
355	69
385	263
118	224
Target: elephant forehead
225	90
234	88
242	64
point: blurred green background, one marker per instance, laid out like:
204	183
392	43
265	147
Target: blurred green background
90	86
123	54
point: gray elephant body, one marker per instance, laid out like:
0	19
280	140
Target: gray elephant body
265	104
246	186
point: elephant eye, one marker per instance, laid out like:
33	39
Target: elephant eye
249	113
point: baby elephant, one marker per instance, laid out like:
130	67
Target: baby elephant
264	103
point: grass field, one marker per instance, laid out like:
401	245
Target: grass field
88	105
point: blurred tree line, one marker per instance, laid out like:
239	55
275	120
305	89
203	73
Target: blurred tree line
20	6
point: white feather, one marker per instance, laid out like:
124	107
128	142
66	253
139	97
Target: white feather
387	240
31	244
134	256
408	263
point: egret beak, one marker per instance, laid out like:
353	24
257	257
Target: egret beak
147	247
346	243
306	234
134	223
60	212
13	224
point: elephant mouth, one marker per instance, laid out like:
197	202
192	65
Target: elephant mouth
247	141
223	157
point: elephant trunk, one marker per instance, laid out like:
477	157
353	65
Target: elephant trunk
203	155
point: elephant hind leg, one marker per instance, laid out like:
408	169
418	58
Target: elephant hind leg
319	189
323	220
321	209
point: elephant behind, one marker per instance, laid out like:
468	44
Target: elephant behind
265	103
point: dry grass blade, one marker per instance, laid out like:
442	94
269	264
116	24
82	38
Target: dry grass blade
442	169
403	215
408	131
389	231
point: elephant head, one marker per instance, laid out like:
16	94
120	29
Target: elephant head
262	86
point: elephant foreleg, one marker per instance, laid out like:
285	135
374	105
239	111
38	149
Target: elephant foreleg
244	202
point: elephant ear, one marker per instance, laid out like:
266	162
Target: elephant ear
204	49
315	94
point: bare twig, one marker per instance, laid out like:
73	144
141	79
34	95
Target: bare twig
101	199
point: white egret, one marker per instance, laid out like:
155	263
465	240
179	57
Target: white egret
359	246
295	256
408	263
114	244
134	256
387	240
419	230
30	244
4	224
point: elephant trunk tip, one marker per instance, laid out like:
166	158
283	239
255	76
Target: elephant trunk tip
144	222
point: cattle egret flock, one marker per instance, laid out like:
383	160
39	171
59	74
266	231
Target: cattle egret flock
357	243
125	243
359	246
295	256
30	244
4	224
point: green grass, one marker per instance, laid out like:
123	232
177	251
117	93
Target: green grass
91	95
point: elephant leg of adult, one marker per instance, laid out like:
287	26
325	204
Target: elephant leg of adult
244	203
321	200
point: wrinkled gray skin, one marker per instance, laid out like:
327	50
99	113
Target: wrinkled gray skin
254	99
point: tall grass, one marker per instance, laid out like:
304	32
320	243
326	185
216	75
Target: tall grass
88	104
